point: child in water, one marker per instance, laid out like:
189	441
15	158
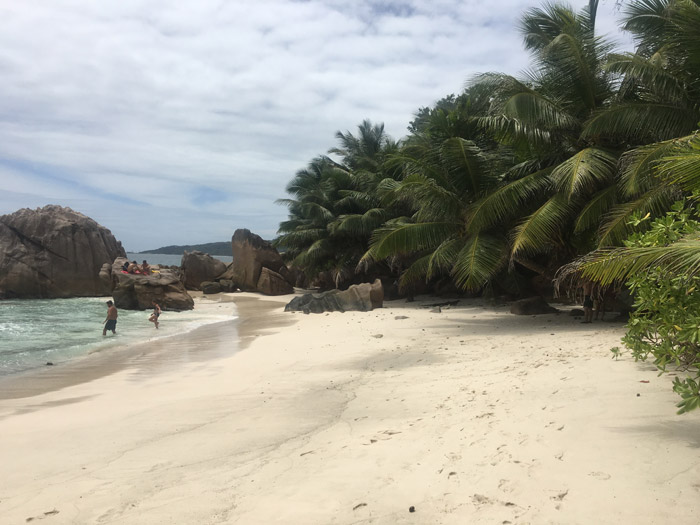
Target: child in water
156	314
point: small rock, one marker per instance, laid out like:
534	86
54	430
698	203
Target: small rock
401	317
411	509
49	363
378	336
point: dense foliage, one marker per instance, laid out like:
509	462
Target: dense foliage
666	321
514	176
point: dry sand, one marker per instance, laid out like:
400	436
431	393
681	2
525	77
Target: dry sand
471	415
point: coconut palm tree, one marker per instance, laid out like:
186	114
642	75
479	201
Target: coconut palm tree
334	206
516	176
681	255
657	102
447	163
563	182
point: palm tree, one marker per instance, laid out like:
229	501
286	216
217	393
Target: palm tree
448	163
657	102
551	198
681	255
334	206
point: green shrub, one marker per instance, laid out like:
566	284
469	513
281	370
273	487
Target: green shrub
666	322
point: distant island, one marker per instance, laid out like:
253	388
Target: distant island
212	248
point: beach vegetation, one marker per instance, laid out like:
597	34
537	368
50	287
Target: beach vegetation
514	177
660	264
334	204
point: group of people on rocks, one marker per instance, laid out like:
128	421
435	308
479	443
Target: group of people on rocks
111	321
134	268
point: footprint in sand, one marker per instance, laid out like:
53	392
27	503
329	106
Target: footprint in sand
42	516
560	496
479	499
385	435
505	485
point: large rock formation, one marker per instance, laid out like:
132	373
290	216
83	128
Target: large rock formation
199	267
272	283
257	266
54	252
359	297
135	292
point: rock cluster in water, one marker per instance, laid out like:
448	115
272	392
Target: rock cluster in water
53	252
136	291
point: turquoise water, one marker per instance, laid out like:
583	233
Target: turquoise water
167	259
36	331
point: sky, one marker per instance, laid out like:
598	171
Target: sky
177	122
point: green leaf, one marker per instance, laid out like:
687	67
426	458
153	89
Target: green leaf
584	171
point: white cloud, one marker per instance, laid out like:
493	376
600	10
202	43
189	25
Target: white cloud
172	104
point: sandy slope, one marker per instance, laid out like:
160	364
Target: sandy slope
470	415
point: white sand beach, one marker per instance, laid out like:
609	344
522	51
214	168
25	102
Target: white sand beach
469	415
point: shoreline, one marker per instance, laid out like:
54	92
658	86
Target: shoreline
140	356
469	415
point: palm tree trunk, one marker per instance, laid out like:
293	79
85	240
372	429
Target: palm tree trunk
533	266
592	10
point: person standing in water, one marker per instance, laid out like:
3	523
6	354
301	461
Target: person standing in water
156	313
111	321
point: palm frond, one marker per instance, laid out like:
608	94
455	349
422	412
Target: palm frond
443	257
584	171
607	266
317	251
597	207
685	17
534	109
683	167
655	121
360	224
356	199
615	227
513	132
540	26
507	201
410	238
430	198
316	211
301	238
539	231
647	20
479	260
574	67
637	167
465	163
651	74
